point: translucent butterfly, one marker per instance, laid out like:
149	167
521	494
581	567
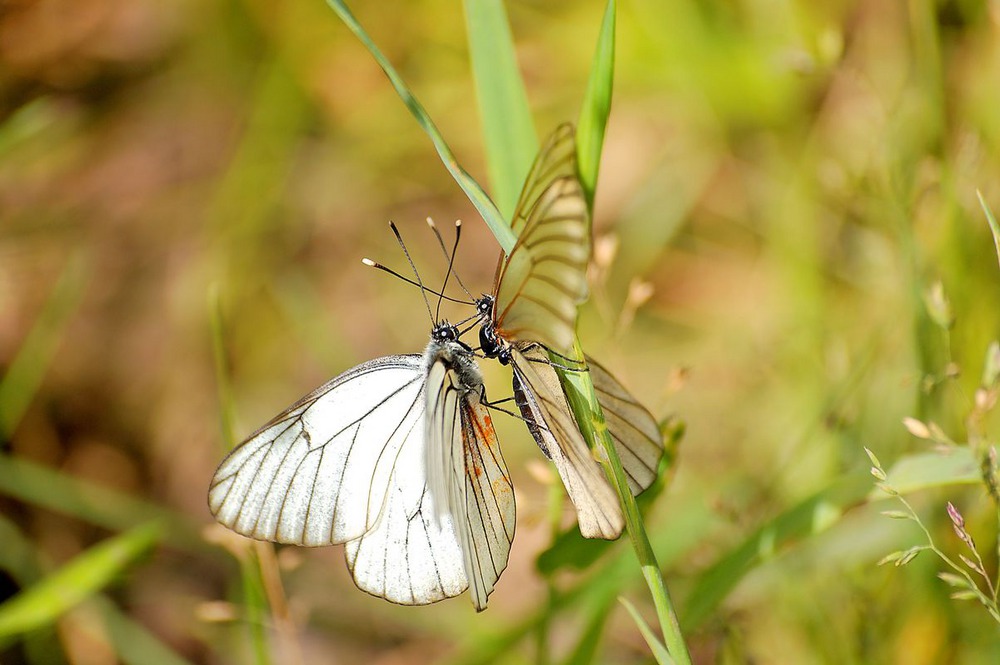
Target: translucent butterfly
396	458
532	311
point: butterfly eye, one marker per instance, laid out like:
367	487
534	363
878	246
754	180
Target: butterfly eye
484	304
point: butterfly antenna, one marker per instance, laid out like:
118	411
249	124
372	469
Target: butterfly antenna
423	289
375	264
451	262
437	234
462	332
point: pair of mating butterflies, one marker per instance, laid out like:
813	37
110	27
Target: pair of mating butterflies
397	458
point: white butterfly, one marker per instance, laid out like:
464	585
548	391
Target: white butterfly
532	310
398	459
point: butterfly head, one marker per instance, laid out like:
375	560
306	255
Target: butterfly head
444	332
484	306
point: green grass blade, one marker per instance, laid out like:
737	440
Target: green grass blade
59	592
17	556
511	141
494	220
251	576
35	484
257	607
585	651
921	471
655	645
578	386
133	642
24	376
800	521
994	227
571	550
596	106
226	404
689	527
582	399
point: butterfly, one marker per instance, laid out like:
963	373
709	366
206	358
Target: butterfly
531	313
396	458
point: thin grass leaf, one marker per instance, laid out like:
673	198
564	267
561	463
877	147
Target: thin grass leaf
17	556
690	524
25	373
585	651
494	220
571	550
251	576
19	560
45	602
278	112
994	226
578	386
655	645
38	485
257	609
798	522
922	471
511	140
596	106
134	643
226	403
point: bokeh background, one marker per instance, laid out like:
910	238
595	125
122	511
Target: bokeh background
782	184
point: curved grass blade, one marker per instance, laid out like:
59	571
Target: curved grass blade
690	525
994	226
655	645
36	484
511	141
43	603
578	386
585	651
133	642
800	521
494	220
571	550
583	401
24	376
596	106
251	574
920	471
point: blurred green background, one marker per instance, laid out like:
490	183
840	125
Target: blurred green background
782	184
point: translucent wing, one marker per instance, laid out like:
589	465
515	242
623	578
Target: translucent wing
539	284
467	475
411	556
633	429
321	472
543	404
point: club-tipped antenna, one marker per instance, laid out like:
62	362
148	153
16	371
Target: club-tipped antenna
375	264
451	259
423	291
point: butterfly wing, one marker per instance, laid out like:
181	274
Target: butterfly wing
633	429
411	556
540	283
321	472
466	472
543	405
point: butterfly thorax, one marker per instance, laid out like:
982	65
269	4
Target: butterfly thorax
490	341
446	347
